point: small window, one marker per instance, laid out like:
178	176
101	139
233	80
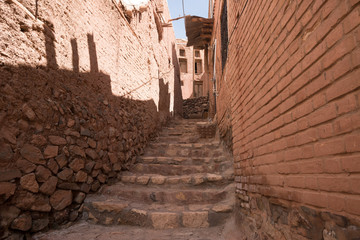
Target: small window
182	52
197	53
183	65
198	66
182	83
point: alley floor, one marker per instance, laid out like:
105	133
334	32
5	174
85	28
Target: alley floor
88	231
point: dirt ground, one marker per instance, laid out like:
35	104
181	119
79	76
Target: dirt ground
84	230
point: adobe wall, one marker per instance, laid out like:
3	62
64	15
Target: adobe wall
80	97
293	75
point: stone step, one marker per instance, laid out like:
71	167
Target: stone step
163	194
183	160
176	150
182	181
165	169
158	216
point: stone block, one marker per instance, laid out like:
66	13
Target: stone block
164	220
195	219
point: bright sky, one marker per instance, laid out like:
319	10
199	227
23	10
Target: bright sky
192	7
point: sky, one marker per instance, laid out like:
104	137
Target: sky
192	7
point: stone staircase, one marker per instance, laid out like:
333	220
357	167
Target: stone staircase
180	181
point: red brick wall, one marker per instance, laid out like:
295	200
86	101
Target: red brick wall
293	71
223	98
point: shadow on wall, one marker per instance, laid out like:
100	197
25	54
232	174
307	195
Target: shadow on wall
63	134
178	101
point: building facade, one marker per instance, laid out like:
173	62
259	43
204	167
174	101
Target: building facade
192	70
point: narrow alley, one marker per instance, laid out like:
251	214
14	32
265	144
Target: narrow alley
180	119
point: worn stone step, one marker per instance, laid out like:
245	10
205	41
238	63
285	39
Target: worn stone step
163	169
200	179
153	194
184	160
176	150
158	216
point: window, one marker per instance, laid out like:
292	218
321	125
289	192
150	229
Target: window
183	65
198	66
197	53
224	35
182	52
182	83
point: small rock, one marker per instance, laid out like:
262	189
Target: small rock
158	180
79	197
112	132
9	134
81	143
25	166
61	199
8	214
42	173
49	186
91	153
6	153
56	140
61	160
9	174
81	176
53	166
23	199
143	180
51	151
32	154
91	142
6	190
106	168
77	151
41	204
38	140
22	222
23	125
198	179
73	216
89	166
39	224
28	182
65	174
73	133
77	164
102	178
195	219
71	123
95	186
213	177
69	186
113	158
28	112
85	132
164	220
85	188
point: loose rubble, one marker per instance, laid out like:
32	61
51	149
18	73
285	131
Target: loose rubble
196	107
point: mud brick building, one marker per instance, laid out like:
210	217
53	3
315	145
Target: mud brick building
194	78
83	87
288	102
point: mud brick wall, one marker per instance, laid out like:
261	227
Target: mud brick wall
293	74
82	90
